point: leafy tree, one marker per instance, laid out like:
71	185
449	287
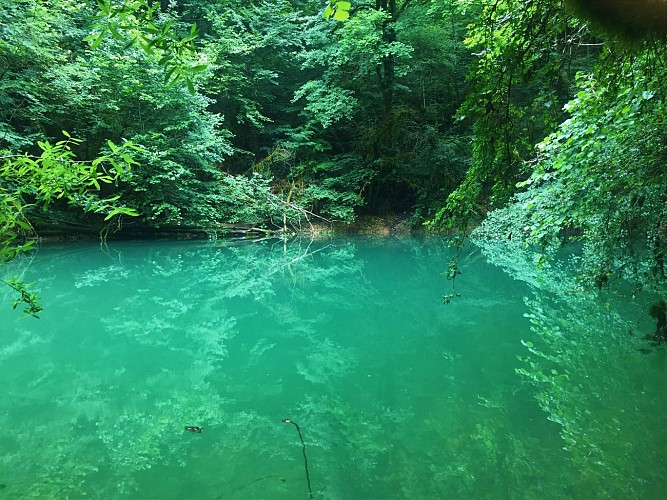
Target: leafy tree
527	53
178	180
36	173
253	72
116	91
33	40
150	26
332	188
390	84
600	177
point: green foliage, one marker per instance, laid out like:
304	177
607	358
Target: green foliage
34	40
178	180
140	23
118	91
28	298
253	49
348	65
380	87
526	52
56	174
390	83
28	181
332	188
599	177
250	200
340	11
326	104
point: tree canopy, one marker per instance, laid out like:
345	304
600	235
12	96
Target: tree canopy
544	114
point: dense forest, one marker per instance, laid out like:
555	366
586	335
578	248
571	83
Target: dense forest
539	121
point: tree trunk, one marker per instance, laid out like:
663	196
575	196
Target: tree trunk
386	70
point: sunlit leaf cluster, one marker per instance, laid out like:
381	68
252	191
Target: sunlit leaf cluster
144	24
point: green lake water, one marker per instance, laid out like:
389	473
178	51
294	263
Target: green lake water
522	387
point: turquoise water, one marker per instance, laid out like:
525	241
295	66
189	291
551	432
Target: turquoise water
522	387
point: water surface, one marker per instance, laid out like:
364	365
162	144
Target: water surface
513	390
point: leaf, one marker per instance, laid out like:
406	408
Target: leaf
128	159
121	211
104	6
115	33
198	69
130	43
114	164
169	74
167	27
341	15
152	29
164	60
112	147
136	147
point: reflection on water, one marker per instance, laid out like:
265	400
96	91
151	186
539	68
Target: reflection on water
517	389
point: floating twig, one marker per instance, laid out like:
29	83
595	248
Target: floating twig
244	486
303	446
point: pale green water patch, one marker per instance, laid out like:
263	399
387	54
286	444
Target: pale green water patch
397	395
